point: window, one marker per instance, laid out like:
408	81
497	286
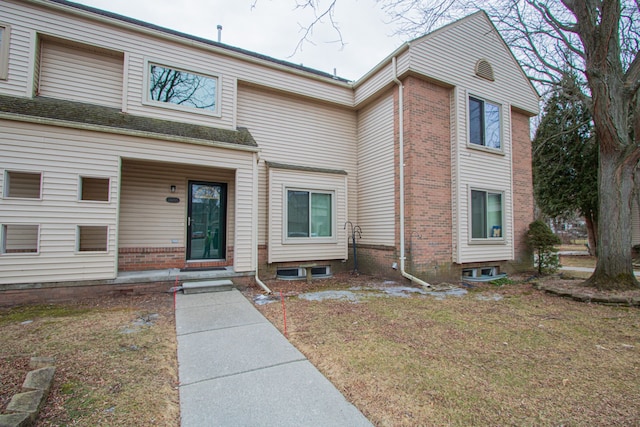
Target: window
92	238
309	214
23	185
486	215
484	123
5	31
182	88
19	239
94	189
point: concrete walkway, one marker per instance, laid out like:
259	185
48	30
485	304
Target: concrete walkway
237	369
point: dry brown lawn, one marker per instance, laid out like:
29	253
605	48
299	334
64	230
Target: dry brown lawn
500	355
115	360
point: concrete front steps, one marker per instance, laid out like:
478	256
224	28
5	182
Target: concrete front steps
205	286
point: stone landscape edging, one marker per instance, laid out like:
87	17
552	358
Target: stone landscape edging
24	407
584	296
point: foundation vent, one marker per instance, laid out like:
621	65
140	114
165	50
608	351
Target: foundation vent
484	70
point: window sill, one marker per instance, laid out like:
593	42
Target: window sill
494	242
310	241
176	107
13	254
498	151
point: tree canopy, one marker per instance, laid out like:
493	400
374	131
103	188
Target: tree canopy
565	159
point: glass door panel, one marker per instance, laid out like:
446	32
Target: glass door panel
206	222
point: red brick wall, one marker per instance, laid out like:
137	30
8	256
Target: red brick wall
140	259
427	158
522	188
376	260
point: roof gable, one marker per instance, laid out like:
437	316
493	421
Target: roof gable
452	53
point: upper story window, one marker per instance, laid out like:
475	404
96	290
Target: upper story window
309	214
486	214
484	124
4	51
182	89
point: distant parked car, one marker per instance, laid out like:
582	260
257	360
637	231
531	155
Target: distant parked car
197	235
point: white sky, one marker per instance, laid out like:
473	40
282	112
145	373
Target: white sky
272	28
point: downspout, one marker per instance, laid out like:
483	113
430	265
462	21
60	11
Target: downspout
256	157
401	161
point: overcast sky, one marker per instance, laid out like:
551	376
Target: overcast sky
273	28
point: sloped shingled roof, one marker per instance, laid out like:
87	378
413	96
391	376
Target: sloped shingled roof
89	114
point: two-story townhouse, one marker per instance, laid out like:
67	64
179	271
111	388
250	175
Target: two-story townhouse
129	147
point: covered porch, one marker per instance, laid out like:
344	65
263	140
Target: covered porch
176	217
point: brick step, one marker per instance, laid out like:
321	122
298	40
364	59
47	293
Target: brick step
203	286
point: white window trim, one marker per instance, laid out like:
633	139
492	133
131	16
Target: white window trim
3	241
168	105
500	112
502	240
286	240
81	200
5	189
77	249
4	51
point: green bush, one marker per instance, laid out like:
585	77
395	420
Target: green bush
543	241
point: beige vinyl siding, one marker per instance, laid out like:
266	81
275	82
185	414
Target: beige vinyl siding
373	84
447	56
63	155
282	249
19	58
298	132
142	43
376	174
147	220
80	73
482	170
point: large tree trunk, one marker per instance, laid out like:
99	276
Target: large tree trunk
598	25
614	269
592	234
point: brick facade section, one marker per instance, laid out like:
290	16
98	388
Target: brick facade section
142	259
427	159
376	260
522	189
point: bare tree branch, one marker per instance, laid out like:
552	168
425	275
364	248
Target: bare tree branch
632	77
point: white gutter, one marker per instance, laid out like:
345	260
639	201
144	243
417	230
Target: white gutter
256	157
401	161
